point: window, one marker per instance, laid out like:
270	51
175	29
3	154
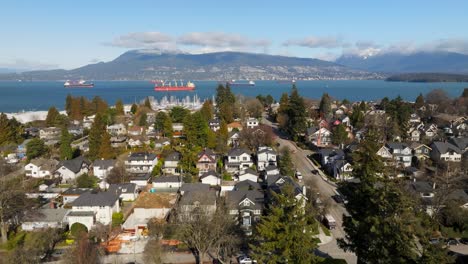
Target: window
244	158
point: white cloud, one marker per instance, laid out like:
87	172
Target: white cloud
220	39
135	40
28	65
328	42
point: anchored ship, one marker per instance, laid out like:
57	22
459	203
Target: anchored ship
286	81
80	83
162	86
236	83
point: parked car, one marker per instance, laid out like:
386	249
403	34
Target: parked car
338	198
246	260
464	240
434	241
452	242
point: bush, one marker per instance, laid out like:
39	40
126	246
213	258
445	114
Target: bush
117	219
77	229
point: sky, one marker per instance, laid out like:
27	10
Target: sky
69	34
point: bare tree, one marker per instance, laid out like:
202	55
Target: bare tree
153	251
13	204
84	252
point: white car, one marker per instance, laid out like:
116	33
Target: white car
246	260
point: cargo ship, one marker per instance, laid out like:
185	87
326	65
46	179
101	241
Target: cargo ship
165	87
236	83
286	81
80	83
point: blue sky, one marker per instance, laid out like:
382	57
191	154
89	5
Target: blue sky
66	34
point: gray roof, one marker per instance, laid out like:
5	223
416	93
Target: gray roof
247	185
172	178
162	140
233	198
275	185
249	170
141	177
444	147
208	152
267	150
173	156
82	213
461	143
141	156
75	164
422	187
197	186
331	152
104	164
396	145
96	199
209	173
46	215
122	188
203	197
271	167
459	195
238	152
76	191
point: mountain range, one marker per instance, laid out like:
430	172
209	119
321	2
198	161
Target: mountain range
151	64
147	65
421	62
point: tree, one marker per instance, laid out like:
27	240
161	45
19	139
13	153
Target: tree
286	233
98	129
285	164
339	135
52	116
225	101
142	121
83	252
117	219
10	130
105	148
196	129
134	108
207	110
254	108
86	181
296	114
119	107
325	105
117	175
419	101
178	114
66	151
35	148
68	104
148	103
465	93
153	251
13	203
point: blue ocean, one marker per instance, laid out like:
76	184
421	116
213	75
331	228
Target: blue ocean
35	96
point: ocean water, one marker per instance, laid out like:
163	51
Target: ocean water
35	96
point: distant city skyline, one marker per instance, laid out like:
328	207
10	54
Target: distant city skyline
60	34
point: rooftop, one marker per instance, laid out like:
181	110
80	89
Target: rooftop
155	200
96	199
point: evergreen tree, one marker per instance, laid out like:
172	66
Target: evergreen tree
9	130
168	131
119	107
284	104
286	233
159	122
76	113
148	103
207	110
339	135
178	114
225	102
211	139
465	93
68	104
66	151
142	121
95	137
297	122
419	101
52	117
134	108
269	100
98	105
285	164
196	129
221	137
105	148
325	105
35	148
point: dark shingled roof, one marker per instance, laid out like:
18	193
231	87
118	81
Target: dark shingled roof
141	156
76	191
75	164
209	173
461	143
247	185
233	198
96	199
174	156
396	145
104	164
444	147
203	197
122	188
166	178
198	186
238	152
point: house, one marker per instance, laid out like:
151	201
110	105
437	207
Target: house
429	131
277	183
414	118
118	141
45	218
272	170
75	130
167	182
162	142
246	206
71	194
214	124
247	185
233	138
252	123
414	134
206	161
196	186
211	178
444	151
69	170
93	207
266	156
117	130
40	168
50	134
461	197
420	151
141	180
319	137
234	126
196	202
238	159
385	153
178	130
340	169
140	162
127	192
460	143
171	163
135	131
149	206
401	153
102	168
329	154
248	174
426	192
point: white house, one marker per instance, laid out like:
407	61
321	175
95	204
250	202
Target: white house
178	130
211	178
50	133
91	207
127	192
167	182
385	153
414	134
265	156
214	124
141	180
246	206
102	168
69	170
445	151
233	138
238	159
40	168
117	130
401	152
141	162
319	137
171	163
248	174
252	123
45	218
272	170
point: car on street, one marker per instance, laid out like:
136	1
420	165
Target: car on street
338	198
452	242
246	260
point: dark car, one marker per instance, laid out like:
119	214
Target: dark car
452	242
315	171
464	240
338	198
